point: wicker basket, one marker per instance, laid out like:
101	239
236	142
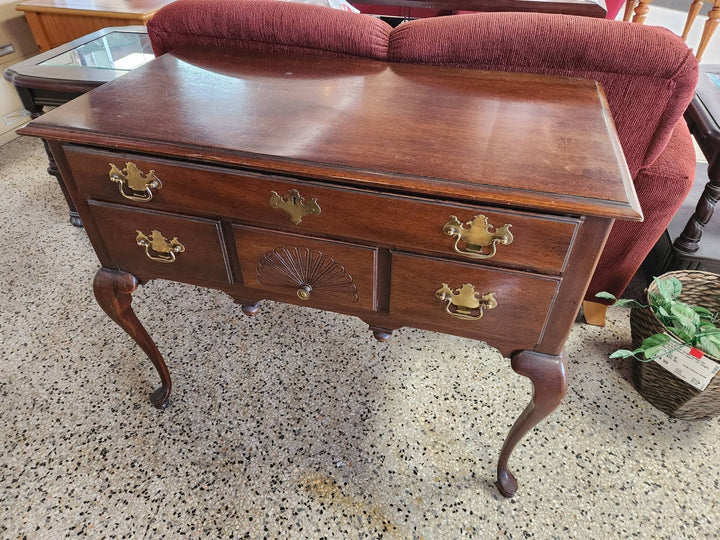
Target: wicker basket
660	387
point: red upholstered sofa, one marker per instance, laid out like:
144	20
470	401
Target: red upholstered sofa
648	75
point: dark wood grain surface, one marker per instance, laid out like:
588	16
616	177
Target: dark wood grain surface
526	140
541	242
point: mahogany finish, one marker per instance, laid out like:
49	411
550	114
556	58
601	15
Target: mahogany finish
549	378
113	291
541	242
381	156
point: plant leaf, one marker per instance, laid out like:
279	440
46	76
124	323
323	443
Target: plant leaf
708	328
656	300
686	334
677	285
704	313
652	345
627	302
685	315
709	345
606	295
683	310
669	288
622	353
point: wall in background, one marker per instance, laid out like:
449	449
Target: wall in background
14	31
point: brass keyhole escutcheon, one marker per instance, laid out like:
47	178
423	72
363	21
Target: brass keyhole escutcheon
480	238
158	248
465	302
133	183
294	205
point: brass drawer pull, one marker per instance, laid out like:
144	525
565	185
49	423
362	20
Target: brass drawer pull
479	238
133	183
157	247
294	205
464	302
304	291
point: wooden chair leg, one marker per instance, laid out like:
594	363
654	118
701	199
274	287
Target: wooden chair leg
710	27
692	15
594	313
641	11
629	7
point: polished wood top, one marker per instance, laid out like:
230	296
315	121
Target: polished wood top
104	8
516	140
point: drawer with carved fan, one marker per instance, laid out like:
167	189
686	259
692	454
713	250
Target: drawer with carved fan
309	271
161	245
470	300
469	232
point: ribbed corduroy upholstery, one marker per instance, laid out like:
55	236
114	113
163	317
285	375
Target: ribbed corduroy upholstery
648	75
661	189
262	25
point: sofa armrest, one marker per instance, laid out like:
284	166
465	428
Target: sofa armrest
661	188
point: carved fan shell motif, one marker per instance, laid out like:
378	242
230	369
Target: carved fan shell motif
293	267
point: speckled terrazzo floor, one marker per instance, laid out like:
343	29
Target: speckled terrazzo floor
297	423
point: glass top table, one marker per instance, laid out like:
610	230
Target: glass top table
70	70
84	63
117	50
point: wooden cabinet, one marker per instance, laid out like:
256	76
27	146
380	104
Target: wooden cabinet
404	195
54	22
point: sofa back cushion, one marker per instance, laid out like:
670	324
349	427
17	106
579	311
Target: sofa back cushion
267	25
648	74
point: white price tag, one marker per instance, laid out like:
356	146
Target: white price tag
688	364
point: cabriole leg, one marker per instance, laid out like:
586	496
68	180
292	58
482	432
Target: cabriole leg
549	378
113	291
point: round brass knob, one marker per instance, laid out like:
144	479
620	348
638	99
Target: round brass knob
304	292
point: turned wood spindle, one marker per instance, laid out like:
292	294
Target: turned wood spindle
692	233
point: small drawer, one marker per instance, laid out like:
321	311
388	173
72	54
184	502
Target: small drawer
159	245
308	271
470	300
535	242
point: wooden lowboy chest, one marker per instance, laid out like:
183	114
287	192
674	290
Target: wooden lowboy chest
467	202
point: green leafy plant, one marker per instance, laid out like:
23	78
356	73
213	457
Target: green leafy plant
692	325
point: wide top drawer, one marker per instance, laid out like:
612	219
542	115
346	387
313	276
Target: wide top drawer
467	232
